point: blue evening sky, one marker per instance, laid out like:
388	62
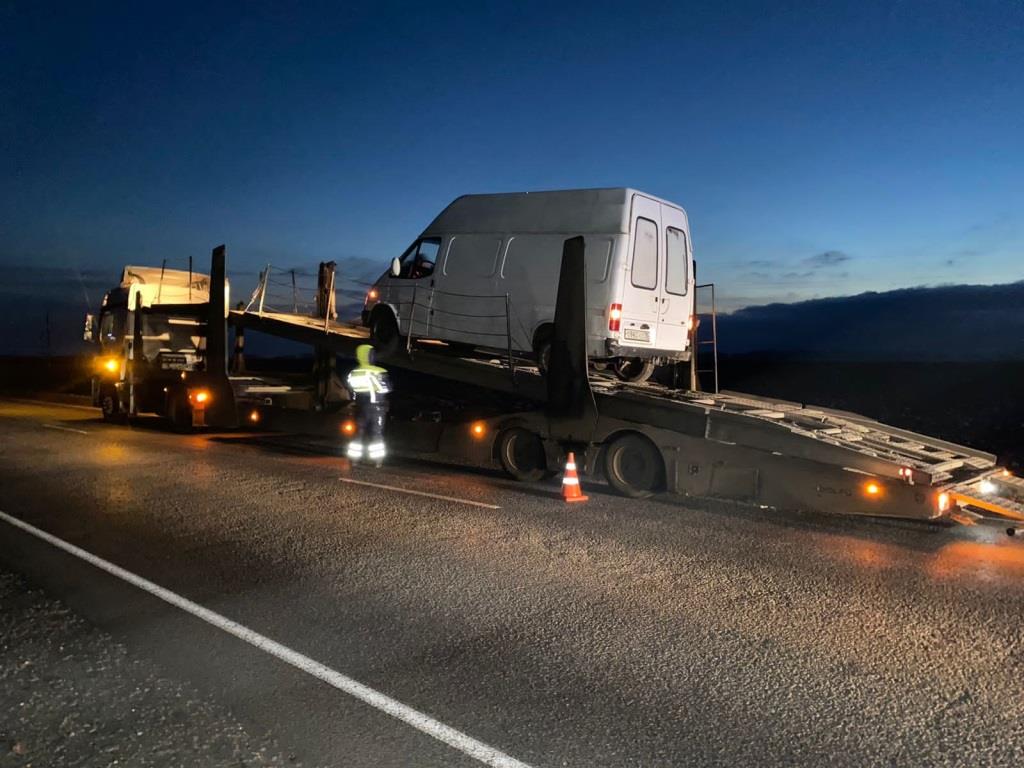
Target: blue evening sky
820	149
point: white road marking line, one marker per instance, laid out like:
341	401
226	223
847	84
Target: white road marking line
421	493
422	722
65	429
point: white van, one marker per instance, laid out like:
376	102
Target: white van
484	274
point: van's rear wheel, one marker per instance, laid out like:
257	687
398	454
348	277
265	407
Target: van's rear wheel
542	348
521	454
634	369
384	332
634	467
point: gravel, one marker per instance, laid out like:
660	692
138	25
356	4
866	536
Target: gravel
71	696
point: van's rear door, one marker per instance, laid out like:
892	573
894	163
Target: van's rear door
641	294
676	282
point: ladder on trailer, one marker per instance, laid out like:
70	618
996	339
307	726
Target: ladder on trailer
699	345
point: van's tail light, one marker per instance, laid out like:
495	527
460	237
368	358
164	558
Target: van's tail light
614	317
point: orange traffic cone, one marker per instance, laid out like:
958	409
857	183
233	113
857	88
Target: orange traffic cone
571	482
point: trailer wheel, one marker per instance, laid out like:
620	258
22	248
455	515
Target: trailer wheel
634	467
521	454
384	332
633	369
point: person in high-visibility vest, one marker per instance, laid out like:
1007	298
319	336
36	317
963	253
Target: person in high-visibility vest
370	386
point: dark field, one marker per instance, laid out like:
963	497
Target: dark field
980	404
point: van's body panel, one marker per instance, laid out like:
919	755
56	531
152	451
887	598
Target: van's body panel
490	252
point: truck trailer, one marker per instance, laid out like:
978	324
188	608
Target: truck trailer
647	439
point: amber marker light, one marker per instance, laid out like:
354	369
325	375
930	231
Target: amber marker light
372	295
109	364
873	490
199	396
348	427
254	416
478	429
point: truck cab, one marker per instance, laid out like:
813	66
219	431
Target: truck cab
151	345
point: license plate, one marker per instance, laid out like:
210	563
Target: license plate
173	362
631	334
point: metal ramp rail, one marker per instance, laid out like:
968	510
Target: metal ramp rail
931	460
996	492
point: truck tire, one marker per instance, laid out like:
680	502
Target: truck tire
110	405
384	332
633	369
521	454
179	412
634	467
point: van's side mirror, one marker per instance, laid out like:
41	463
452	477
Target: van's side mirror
89	334
396	267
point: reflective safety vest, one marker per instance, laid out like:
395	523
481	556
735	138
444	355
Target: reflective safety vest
369	380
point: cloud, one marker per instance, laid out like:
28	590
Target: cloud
827	259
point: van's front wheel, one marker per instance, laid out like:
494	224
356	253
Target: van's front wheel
384	332
633	369
542	348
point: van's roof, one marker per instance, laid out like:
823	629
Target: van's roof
564	211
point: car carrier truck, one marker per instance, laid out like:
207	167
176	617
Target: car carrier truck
160	345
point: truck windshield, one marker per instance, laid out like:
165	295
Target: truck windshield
111	327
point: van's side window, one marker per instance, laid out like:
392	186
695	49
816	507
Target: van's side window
419	260
676	279
645	255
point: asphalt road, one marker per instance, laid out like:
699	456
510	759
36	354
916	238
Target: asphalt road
613	633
